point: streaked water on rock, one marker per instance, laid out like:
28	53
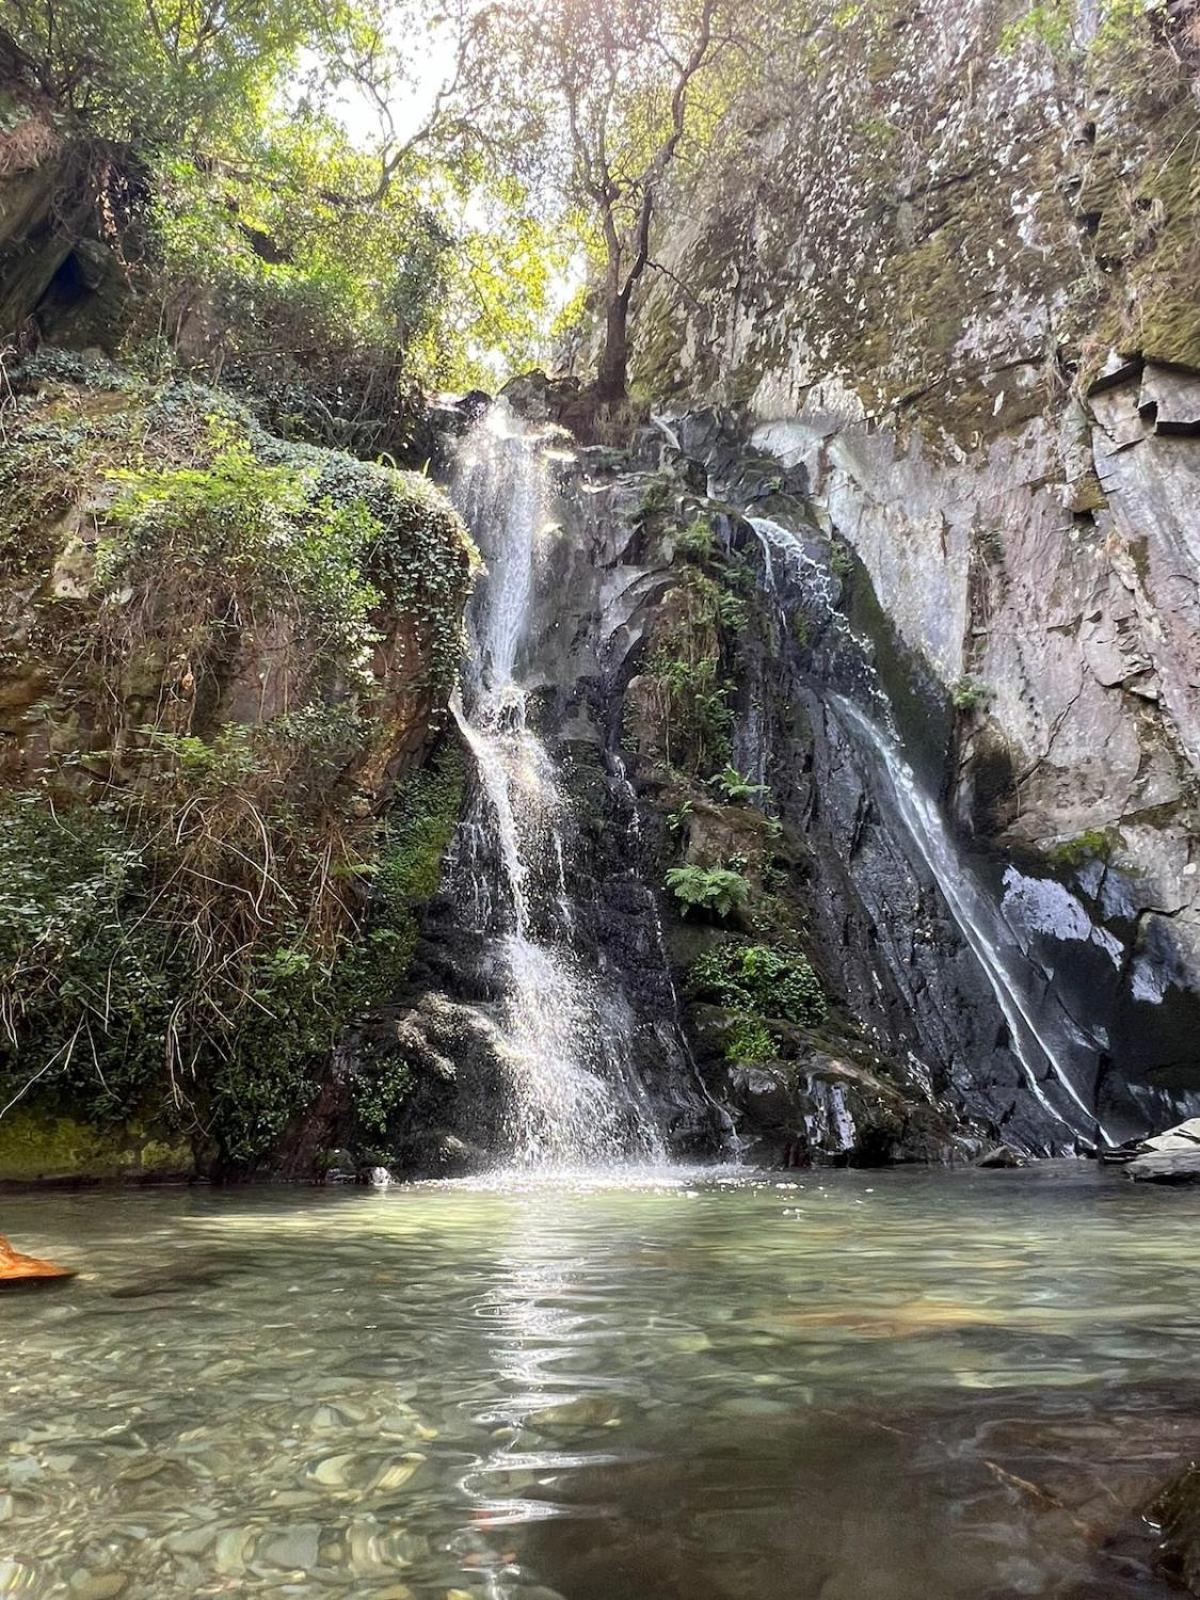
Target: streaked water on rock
905	1385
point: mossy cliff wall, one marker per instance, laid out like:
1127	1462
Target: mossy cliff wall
944	272
223	660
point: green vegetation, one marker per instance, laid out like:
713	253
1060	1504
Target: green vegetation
622	86
968	694
758	984
326	274
124	997
730	783
763	980
688	666
748	1040
1097	844
203	879
716	890
698	541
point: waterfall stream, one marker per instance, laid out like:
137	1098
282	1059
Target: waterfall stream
576	1097
983	927
977	915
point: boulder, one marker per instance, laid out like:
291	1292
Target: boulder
1184	1136
16	1268
1173	1167
1169	1157
998	1156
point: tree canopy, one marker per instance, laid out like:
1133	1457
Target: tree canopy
338	198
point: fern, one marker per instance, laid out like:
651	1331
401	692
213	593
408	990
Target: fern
712	889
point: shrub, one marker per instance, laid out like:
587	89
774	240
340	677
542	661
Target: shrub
748	1040
762	980
968	694
698	541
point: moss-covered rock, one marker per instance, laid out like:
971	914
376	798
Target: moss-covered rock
218	655
42	1145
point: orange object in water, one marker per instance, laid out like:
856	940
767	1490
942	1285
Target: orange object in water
18	1268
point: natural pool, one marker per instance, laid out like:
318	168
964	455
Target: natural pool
853	1386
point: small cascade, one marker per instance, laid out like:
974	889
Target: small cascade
576	1095
982	925
795	574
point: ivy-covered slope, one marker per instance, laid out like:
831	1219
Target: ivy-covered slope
222	660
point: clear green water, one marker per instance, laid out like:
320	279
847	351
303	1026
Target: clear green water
886	1386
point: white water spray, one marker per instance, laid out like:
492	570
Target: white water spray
576	1098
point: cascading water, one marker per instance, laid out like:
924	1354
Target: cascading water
983	927
575	1093
979	918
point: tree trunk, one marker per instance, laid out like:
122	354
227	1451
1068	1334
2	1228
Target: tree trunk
611	380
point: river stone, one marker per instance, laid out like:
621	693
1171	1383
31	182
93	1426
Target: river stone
96	1585
294	1549
998	1156
1173	1167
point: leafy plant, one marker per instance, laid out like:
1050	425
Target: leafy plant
761	979
968	694
677	820
748	1040
698	541
730	782
713	889
841	559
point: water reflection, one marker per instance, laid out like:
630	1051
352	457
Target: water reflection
695	1385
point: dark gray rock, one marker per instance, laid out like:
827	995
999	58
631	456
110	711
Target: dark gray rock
1177	1513
999	1155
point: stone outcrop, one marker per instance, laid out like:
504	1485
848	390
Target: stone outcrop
1172	1157
944	282
207	699
59	278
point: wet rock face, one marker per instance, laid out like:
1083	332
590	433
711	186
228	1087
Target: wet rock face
922	1061
987	384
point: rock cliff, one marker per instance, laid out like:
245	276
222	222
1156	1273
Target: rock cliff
943	278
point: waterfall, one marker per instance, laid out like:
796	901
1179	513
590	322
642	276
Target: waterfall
983	927
576	1097
976	914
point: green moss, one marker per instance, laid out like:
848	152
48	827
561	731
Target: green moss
36	1145
413	846
1097	844
1150	223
